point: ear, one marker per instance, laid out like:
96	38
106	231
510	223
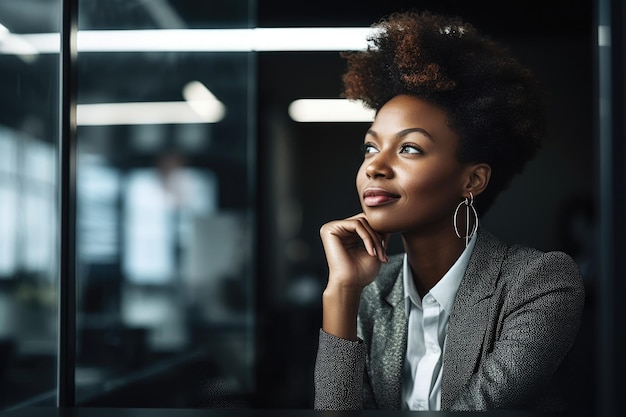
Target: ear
477	178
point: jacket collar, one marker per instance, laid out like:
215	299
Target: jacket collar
478	280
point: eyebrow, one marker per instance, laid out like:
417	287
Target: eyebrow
405	132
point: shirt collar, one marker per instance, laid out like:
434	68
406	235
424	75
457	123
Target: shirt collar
445	290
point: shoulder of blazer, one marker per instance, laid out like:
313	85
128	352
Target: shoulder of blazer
525	268
522	261
497	266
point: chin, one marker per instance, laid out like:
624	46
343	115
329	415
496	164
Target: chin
382	224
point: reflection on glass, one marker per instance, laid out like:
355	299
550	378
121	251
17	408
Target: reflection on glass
28	209
164	213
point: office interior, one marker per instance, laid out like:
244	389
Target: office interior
192	233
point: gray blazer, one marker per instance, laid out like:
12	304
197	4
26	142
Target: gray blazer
515	316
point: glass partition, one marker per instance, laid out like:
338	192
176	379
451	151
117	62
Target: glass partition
164	205
28	206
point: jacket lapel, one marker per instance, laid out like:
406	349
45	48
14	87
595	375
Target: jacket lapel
470	315
389	345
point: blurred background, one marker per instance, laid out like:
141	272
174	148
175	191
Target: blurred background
199	269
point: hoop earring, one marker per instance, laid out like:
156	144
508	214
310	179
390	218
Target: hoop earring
469	204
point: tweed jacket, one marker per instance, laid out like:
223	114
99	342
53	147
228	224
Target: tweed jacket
515	316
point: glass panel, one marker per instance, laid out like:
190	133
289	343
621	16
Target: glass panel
164	210
28	205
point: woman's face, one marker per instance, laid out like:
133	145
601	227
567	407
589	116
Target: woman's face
410	179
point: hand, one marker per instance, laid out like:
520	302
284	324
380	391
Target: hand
354	251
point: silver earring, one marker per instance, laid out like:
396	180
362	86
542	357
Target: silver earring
469	206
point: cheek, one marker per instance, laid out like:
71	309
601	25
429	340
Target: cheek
440	185
360	177
427	184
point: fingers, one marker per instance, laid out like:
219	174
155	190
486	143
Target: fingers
345	230
385	244
377	240
373	241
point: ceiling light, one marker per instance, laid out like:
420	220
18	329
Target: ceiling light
11	44
310	39
329	110
208	40
165	112
203	102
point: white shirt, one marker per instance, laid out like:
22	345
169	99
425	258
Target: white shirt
428	325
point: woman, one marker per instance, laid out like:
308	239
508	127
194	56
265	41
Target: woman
461	320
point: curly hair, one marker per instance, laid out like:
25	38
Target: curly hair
491	101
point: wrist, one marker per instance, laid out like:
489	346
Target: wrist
340	306
337	286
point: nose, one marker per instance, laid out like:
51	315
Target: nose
379	167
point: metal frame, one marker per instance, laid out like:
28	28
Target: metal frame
66	386
611	152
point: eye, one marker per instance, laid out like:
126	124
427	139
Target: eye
368	148
409	148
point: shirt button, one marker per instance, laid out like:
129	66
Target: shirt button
429	299
420	405
434	349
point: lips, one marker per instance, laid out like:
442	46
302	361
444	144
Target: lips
377	197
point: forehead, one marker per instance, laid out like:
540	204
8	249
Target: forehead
410	109
409	112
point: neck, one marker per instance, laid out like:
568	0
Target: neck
431	257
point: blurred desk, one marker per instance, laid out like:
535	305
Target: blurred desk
177	412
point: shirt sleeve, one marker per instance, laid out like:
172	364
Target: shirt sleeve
338	373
